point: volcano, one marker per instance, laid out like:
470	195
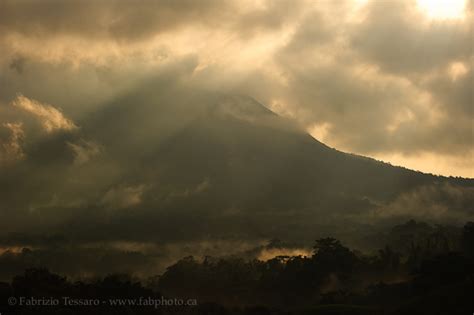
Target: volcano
227	166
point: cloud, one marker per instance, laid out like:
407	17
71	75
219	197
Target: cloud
199	188
123	196
84	151
11	148
18	64
416	44
115	19
375	97
432	203
50	118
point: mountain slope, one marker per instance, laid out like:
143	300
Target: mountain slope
242	170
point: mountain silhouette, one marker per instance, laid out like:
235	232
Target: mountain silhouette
239	168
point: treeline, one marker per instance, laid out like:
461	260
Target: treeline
424	262
430	271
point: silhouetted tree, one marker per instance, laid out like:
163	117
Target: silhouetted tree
389	259
331	256
467	240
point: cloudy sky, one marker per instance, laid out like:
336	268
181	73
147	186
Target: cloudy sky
112	152
386	79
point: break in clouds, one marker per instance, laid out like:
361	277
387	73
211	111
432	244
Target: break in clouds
102	104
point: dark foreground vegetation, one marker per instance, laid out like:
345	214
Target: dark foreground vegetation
425	271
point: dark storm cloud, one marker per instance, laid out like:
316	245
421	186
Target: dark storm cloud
121	20
454	93
18	64
415	45
137	20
